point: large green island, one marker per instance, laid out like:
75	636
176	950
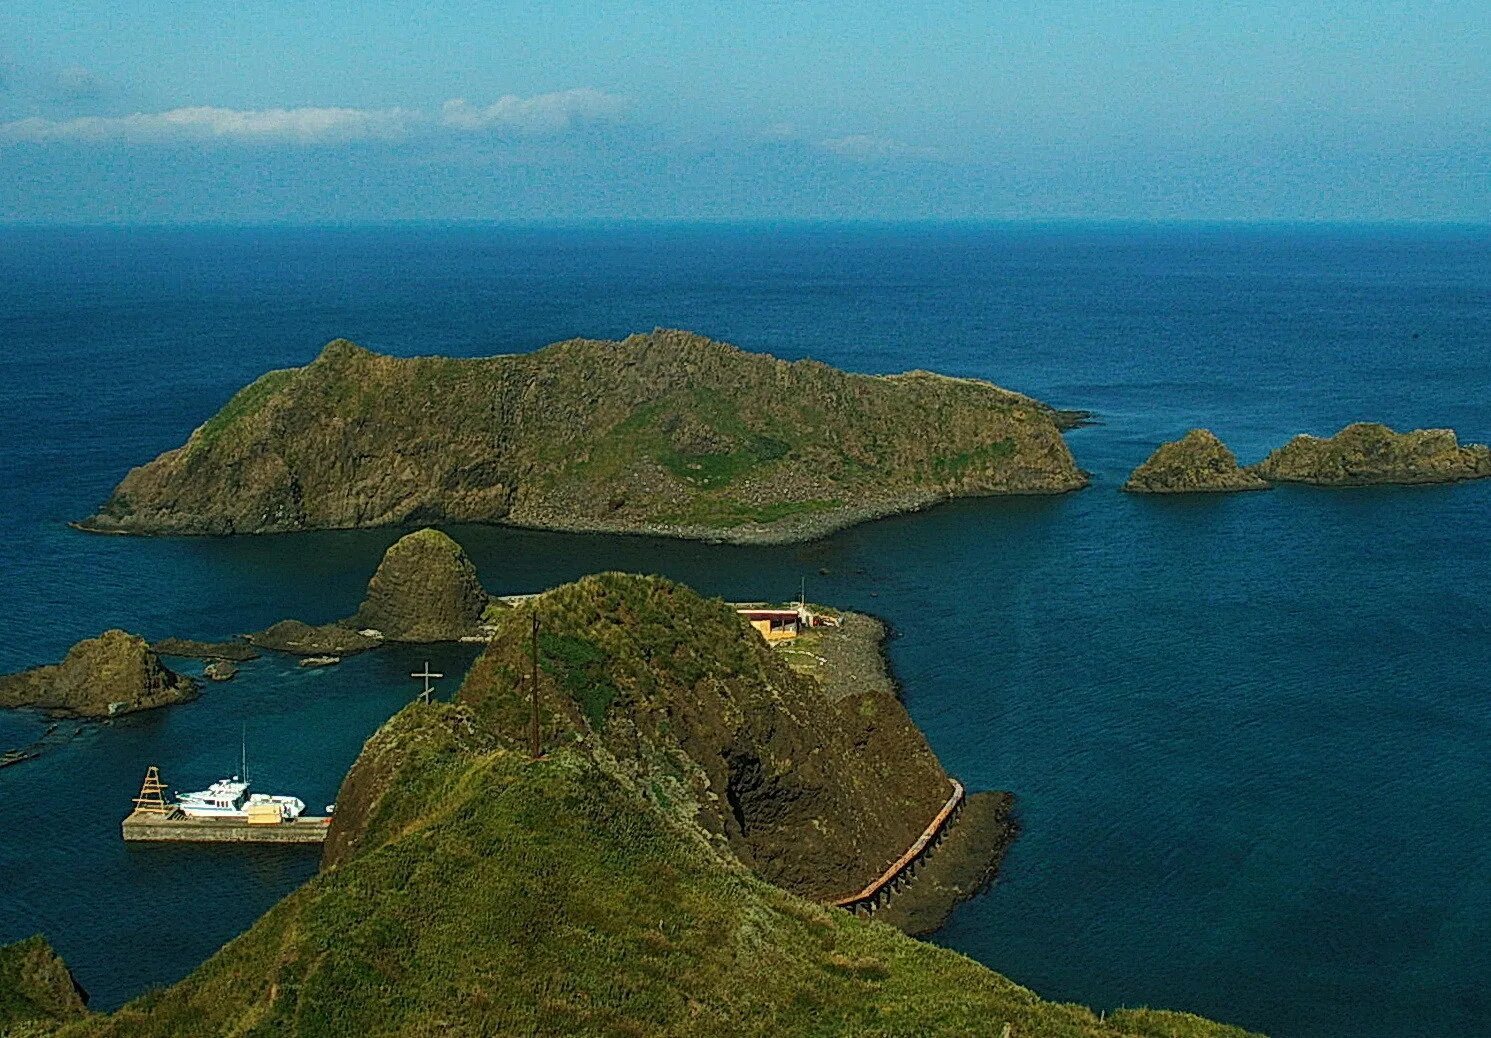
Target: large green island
667	433
667	867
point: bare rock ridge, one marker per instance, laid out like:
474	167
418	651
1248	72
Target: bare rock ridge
1196	463
666	433
424	590
115	673
1367	454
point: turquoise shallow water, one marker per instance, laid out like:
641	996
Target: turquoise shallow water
1251	735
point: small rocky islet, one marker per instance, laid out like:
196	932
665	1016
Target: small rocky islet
1196	463
113	674
1362	454
425	589
1371	454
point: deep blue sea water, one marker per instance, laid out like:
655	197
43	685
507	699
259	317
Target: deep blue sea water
1250	735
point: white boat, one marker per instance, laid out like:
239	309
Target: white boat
230	798
223	799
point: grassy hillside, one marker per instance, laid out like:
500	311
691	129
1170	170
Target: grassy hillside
493	896
646	877
667	433
817	793
36	990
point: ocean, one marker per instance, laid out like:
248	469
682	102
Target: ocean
1250	735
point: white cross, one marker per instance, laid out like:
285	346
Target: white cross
427	674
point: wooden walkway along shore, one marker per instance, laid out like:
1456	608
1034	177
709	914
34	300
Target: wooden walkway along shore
898	876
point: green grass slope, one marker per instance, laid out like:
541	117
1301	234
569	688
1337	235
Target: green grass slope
36	990
494	896
667	432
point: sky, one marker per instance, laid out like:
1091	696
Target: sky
172	111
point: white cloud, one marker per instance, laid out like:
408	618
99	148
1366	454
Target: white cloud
294	125
864	147
542	113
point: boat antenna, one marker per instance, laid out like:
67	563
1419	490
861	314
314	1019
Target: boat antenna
243	750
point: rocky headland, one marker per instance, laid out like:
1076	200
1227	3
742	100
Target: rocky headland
115	673
659	870
1368	454
666	433
1196	463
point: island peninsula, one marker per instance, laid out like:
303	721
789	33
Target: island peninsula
665	433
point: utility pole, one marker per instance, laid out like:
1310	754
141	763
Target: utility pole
534	735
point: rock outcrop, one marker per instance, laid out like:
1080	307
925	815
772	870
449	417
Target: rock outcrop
815	792
115	673
302	639
238	651
424	590
1367	454
665	433
1196	463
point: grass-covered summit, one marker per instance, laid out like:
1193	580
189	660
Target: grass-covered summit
605	890
667	432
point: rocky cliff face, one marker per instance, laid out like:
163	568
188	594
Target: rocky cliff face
115	673
1365	454
1196	463
667	432
424	590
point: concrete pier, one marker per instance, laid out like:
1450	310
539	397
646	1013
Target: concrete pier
148	826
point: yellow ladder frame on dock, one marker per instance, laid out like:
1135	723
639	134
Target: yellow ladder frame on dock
151	800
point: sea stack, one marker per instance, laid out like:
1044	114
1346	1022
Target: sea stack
1368	454
115	673
424	590
1196	463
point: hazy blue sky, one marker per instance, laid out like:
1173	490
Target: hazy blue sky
169	110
